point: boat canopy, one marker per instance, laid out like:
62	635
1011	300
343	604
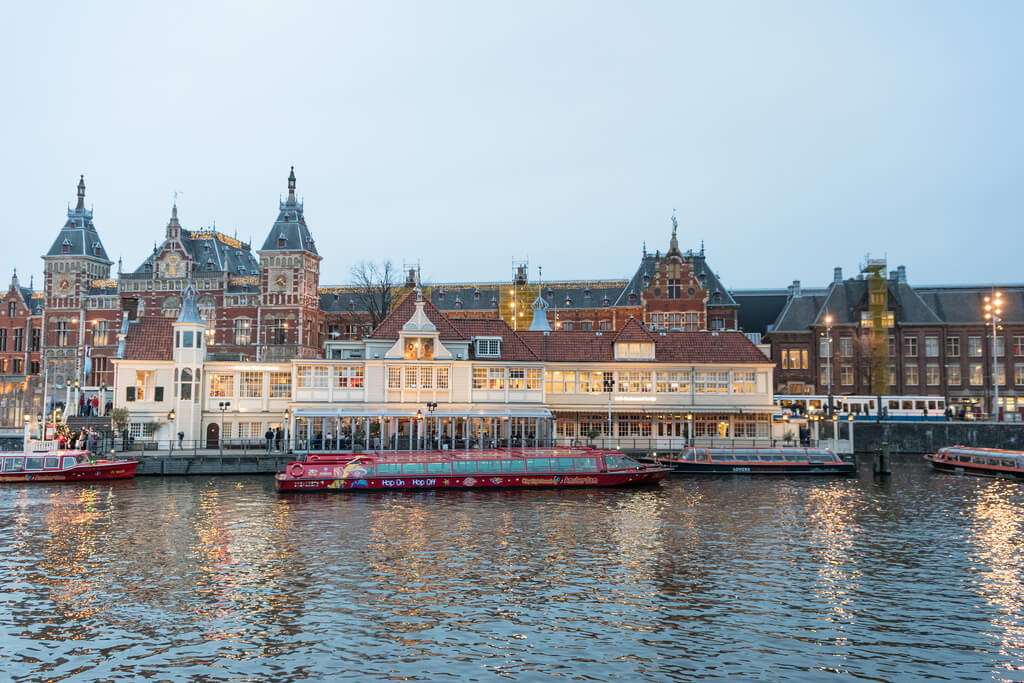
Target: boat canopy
721	454
978	454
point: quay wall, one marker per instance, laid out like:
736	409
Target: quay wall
926	437
166	465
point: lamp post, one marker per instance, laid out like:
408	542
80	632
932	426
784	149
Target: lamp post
102	407
609	386
418	427
28	421
223	405
67	397
993	317
172	417
689	428
431	407
835	430
287	425
78	390
828	359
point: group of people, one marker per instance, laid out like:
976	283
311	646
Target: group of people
86	439
274	438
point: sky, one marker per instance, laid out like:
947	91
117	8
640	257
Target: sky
789	137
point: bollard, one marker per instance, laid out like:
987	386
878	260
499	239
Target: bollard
882	459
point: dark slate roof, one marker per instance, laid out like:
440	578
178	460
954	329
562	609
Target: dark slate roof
211	251
965	304
799	313
574	296
675	347
759	308
448	297
149	338
701	270
342	301
79	235
290	225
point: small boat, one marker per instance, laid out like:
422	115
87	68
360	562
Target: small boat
987	462
497	468
700	460
58	465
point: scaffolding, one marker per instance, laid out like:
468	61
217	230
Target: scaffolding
878	309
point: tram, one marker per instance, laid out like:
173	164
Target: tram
901	408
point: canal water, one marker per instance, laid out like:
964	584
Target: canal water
221	579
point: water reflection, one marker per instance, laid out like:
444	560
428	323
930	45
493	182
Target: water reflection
222	579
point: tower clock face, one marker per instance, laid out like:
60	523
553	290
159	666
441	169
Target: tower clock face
279	280
172	266
64	284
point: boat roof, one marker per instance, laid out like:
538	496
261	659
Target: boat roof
445	456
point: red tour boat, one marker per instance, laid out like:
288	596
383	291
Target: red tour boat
498	468
988	462
57	465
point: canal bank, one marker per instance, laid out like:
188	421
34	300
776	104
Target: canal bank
927	437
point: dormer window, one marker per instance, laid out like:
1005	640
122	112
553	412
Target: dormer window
550	293
458	303
632	297
281	240
606	301
586	292
65	246
96	248
488	348
286	218
634	351
147	267
568	301
351	305
476	295
647	279
440	295
209	264
419	348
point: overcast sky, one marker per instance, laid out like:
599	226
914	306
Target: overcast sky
789	137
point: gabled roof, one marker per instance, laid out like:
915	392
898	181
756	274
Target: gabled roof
633	331
149	338
390	327
759	308
512	345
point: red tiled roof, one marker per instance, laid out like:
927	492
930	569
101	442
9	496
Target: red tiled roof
512	345
149	338
672	347
392	324
633	331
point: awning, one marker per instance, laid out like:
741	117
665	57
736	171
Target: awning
409	410
674	410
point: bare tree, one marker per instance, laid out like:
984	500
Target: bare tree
374	284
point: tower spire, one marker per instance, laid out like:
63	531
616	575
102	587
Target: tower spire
81	192
291	184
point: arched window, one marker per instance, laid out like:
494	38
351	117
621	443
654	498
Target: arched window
12	309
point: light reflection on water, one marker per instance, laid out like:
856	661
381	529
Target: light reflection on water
222	579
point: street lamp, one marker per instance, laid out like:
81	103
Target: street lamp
28	421
828	359
287	423
223	405
609	386
67	396
993	317
689	427
431	407
172	417
102	407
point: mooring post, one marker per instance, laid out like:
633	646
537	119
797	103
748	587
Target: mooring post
882	459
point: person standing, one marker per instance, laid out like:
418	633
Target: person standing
95	405
279	437
269	437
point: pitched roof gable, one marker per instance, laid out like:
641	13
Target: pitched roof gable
633	331
390	327
149	338
671	347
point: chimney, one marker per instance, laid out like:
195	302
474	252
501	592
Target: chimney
901	274
795	288
837	274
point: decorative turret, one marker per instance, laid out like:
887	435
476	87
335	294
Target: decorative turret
289	232
81	193
540	315
189	354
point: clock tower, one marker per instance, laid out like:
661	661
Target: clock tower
289	285
76	270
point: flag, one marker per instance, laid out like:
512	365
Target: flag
88	360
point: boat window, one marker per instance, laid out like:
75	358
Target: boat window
513	466
795	458
721	458
464	466
51	462
586	464
389	468
538	465
1009	463
13	464
744	454
562	464
773	458
438	468
993	461
687	455
69	461
964	458
414	468
34	463
488	466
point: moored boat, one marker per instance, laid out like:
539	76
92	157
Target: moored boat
498	468
987	462
717	460
58	465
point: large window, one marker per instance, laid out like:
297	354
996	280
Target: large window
395	377
636	382
846	347
744	381
517	378
931	374
222	386
349	377
487	348
243	331
419	348
186	385
634	350
250	385
442	378
976	378
1018	345
953	347
675	288
144	385
931	347
953	374
495	378
532	378
846	375
19	339
100	333
974	348
910	347
692	323
63	334
673	382
280	385
711	381
910	375
313	376
1018	375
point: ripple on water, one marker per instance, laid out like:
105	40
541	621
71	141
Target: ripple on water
182	578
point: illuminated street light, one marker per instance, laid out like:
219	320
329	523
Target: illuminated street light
994	317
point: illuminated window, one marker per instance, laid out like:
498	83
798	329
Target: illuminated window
222	386
280	385
250	384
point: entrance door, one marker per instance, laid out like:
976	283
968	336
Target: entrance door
212	435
